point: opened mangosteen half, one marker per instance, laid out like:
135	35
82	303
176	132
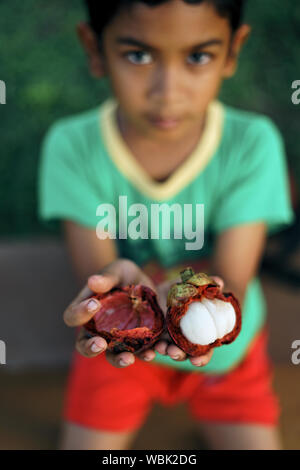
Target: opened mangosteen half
130	318
199	316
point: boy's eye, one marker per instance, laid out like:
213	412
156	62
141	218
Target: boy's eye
139	57
201	58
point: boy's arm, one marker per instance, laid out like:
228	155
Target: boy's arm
89	254
237	256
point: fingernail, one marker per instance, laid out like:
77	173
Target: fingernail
199	364
95	348
123	363
95	277
146	358
176	357
92	306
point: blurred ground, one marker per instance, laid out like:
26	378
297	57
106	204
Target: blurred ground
36	285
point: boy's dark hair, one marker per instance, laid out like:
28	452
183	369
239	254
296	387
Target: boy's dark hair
100	15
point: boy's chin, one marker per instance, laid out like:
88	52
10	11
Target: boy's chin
166	134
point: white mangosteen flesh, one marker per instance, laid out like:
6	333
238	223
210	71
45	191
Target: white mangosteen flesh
206	321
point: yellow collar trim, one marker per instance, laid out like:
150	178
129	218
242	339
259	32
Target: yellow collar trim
125	161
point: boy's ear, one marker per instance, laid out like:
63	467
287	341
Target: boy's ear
89	42
237	42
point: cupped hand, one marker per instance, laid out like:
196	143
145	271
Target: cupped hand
121	272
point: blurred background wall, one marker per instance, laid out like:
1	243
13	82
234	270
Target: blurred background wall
46	77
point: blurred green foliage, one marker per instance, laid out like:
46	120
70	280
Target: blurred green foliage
46	76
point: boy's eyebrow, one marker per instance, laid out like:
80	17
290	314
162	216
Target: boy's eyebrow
129	41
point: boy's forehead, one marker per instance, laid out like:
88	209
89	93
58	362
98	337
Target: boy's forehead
186	24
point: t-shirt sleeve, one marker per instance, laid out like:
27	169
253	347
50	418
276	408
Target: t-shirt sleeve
65	189
255	188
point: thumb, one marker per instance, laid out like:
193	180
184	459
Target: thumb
218	280
108	278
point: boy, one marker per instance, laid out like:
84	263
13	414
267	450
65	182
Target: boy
165	139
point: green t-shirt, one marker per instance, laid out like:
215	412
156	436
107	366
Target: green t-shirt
236	175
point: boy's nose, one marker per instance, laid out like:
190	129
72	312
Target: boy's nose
166	87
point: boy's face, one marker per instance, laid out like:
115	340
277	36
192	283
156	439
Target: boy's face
167	63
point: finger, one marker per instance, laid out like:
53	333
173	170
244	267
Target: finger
147	355
162	294
165	286
131	273
161	347
120	272
121	360
219	281
162	290
90	347
79	314
201	361
84	294
145	280
162	302
104	282
80	311
176	353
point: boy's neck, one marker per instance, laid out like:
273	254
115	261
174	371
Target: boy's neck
159	158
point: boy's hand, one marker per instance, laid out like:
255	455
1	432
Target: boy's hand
166	346
118	273
122	272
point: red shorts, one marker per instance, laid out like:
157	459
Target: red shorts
103	397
